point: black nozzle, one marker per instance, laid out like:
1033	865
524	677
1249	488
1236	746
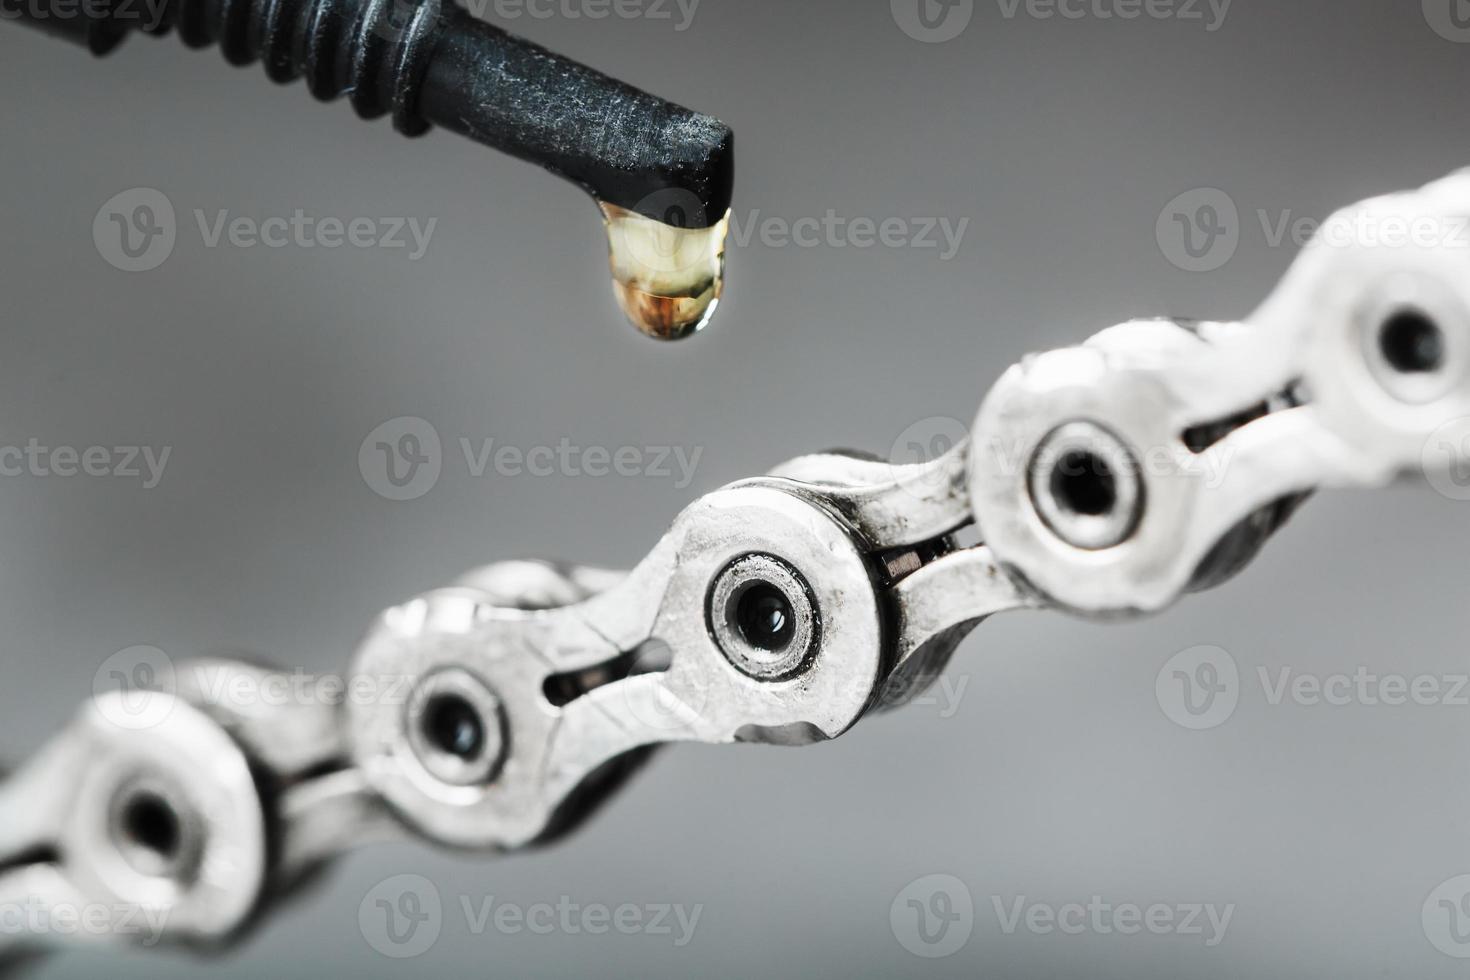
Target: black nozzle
428	63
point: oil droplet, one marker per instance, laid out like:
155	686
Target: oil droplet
668	280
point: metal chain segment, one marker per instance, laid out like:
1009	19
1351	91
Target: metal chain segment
1107	479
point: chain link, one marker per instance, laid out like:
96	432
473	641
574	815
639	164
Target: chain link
1106	480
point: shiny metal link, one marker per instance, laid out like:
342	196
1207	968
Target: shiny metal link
164	823
1339	380
1107	479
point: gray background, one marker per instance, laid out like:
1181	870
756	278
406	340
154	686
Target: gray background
1058	778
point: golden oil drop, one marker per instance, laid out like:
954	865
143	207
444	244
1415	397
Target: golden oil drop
668	280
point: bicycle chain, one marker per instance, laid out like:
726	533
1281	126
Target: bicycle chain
1106	480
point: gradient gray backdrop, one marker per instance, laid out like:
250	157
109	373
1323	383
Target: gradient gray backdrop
1058	778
